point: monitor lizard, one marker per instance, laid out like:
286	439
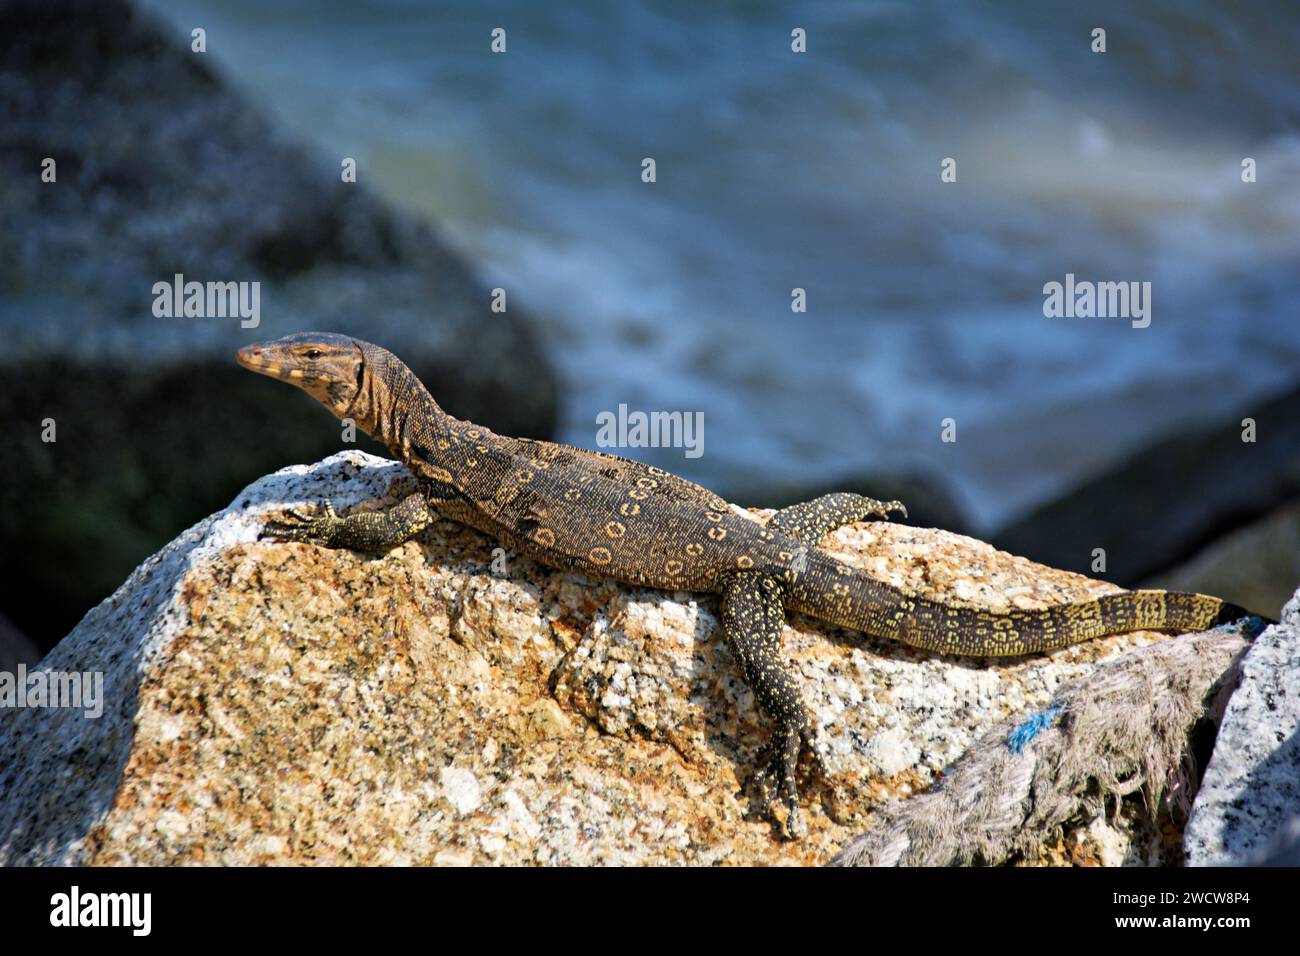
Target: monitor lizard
607	516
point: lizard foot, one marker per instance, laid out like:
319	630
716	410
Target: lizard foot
885	508
309	529
778	771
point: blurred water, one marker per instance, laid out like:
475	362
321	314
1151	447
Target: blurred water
778	170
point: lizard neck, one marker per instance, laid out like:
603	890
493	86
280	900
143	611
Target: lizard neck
393	406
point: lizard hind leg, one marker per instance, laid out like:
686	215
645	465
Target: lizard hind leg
753	614
810	521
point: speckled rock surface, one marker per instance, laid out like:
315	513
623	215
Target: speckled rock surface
282	703
1250	798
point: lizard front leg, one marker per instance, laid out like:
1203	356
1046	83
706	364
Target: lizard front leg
753	615
372	531
811	521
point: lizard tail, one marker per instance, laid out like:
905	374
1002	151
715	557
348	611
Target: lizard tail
839	594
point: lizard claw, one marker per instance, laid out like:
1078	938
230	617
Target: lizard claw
886	508
776	777
297	526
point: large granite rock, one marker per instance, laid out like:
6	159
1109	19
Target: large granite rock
283	703
1248	808
162	168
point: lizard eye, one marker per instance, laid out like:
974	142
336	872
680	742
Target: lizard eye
314	353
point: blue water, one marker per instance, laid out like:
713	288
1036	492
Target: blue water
778	170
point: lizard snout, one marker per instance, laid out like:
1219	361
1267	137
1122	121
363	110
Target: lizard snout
254	358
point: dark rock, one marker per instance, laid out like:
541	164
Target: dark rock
15	647
1256	566
1167	501
162	168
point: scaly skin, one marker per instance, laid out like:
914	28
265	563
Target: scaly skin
612	517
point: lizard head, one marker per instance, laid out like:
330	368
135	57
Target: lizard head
326	366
